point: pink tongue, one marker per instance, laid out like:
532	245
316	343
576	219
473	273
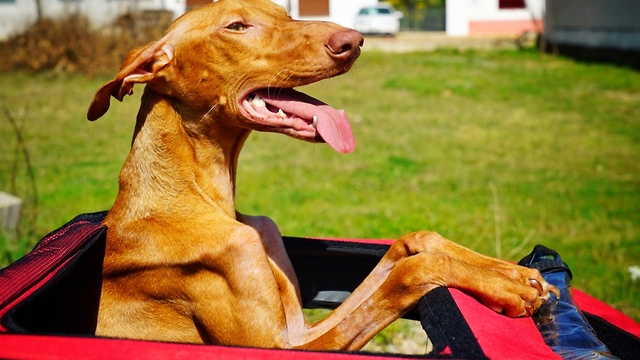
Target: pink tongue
333	125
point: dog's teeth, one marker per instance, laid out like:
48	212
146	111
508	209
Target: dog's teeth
281	114
315	121
258	102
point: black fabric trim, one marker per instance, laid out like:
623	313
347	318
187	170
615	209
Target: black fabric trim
622	344
446	327
68	302
551	261
298	244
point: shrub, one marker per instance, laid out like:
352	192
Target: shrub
71	45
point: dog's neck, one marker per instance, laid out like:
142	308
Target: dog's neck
170	156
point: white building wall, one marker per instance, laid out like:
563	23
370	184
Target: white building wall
15	17
459	13
342	12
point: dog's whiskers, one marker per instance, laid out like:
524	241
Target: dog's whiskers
215	106
274	81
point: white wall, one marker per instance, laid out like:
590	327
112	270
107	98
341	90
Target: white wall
341	12
15	17
461	12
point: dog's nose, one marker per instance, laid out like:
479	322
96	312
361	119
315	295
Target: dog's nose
345	44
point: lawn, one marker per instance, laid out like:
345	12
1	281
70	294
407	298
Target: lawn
497	150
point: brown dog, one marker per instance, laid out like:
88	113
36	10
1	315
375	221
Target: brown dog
181	264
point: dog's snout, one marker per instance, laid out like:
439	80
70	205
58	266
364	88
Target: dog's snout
345	44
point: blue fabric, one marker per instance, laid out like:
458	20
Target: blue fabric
562	325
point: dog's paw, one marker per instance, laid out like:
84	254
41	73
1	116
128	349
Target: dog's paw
516	291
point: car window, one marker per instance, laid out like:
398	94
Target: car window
374	11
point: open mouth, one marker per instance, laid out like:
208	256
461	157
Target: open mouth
299	115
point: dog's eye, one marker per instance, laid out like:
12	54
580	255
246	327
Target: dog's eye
237	26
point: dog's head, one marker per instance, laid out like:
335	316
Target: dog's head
238	61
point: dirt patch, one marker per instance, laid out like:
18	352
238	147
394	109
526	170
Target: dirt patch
431	41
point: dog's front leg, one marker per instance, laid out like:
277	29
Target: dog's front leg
349	323
413	266
284	274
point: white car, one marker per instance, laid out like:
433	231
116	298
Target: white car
382	19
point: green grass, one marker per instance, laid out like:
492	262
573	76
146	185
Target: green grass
495	150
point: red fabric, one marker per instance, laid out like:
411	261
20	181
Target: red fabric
49	253
28	274
70	348
596	307
502	337
28	292
499	336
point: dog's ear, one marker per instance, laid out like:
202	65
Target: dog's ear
140	66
